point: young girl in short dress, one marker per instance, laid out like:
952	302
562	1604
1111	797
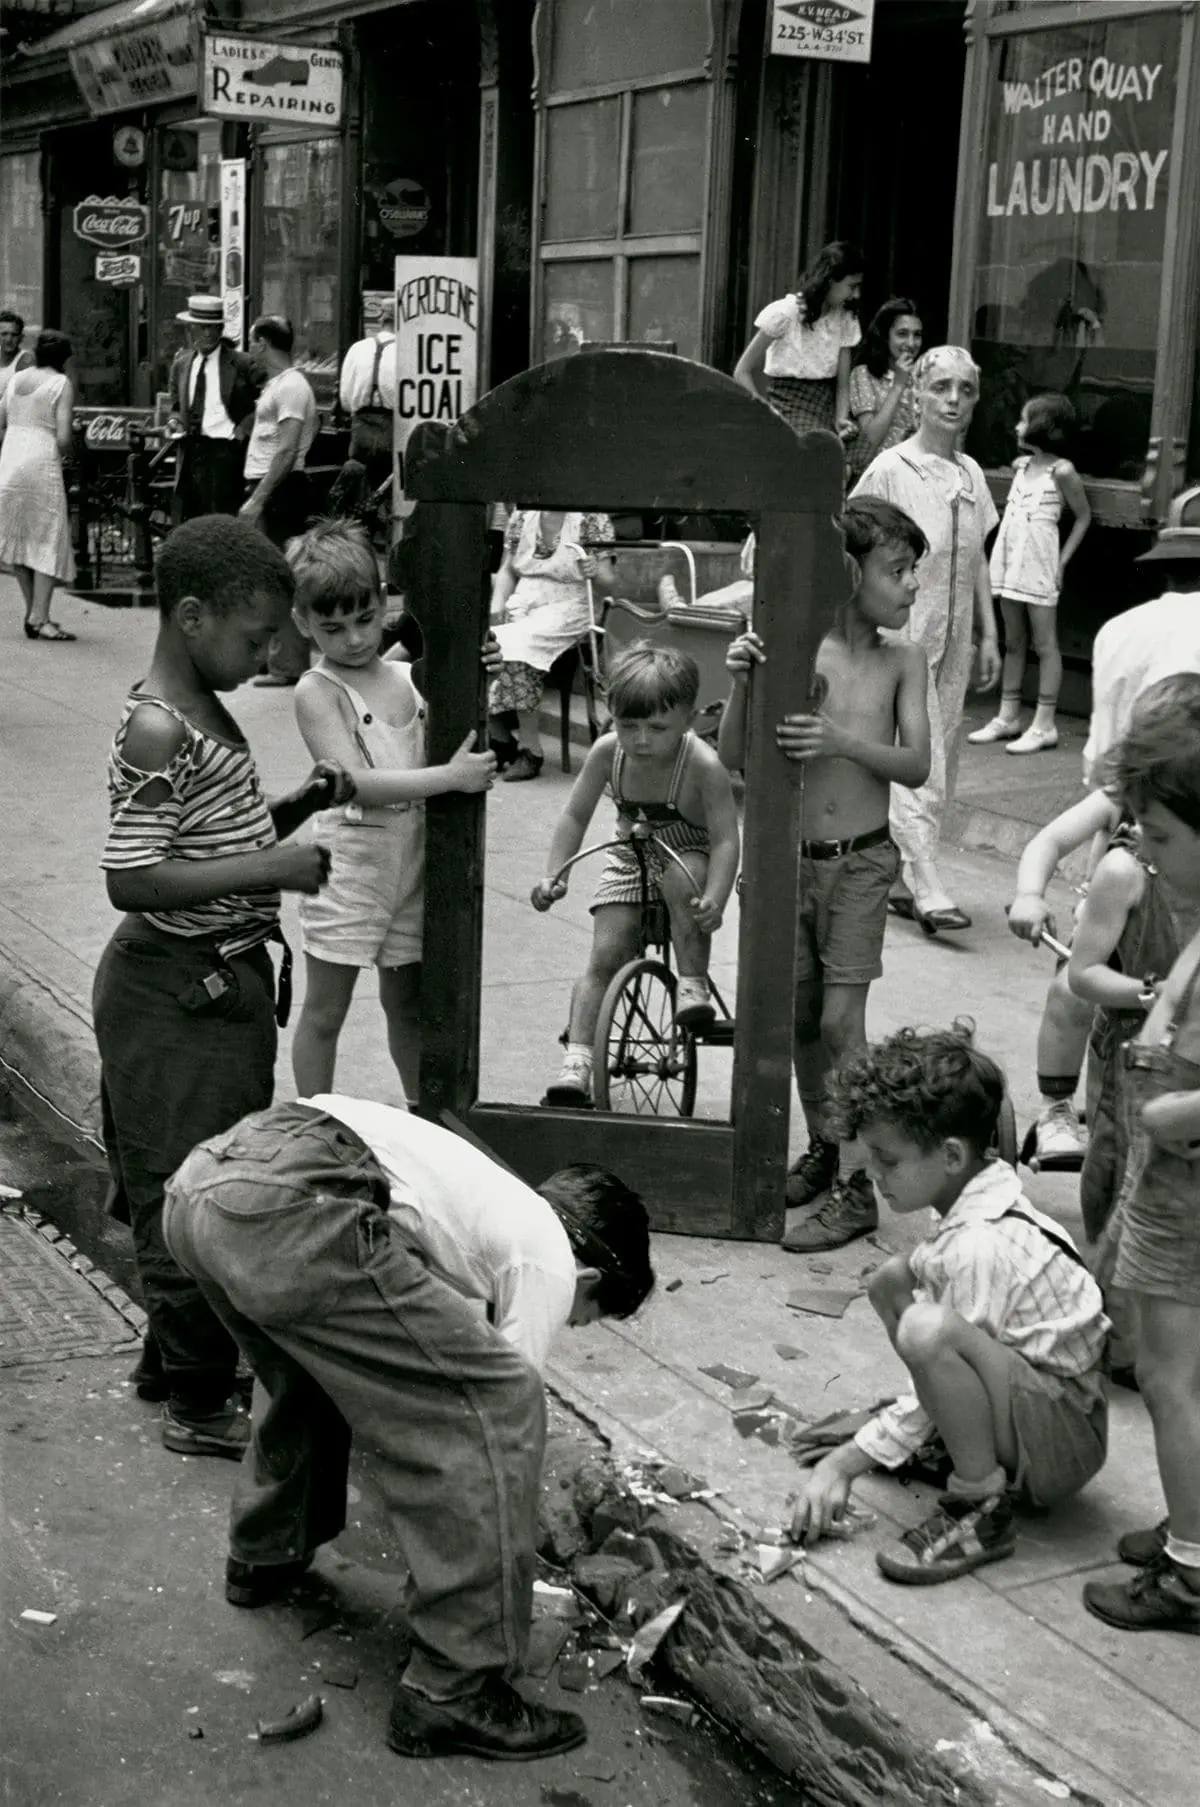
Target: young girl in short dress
1027	568
1158	1253
371	912
802	344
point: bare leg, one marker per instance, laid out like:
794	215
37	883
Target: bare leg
1043	625
43	593
327	995
400	995
1168	1366
844	1032
528	732
810	1059
1016	652
1063	1032
24	577
690	943
891	1290
963	1378
614	941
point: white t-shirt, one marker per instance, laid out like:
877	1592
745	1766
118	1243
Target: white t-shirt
356	388
809	352
1132	651
483	1231
287	396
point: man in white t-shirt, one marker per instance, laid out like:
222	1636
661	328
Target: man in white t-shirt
1155	640
356	1253
277	499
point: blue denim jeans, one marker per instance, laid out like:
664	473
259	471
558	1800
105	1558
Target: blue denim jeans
282	1223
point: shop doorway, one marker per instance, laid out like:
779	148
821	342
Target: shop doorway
894	162
98	317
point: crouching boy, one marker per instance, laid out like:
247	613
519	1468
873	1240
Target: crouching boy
995	1316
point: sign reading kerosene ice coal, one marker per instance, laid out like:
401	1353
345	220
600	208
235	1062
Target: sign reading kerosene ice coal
833	31
437	342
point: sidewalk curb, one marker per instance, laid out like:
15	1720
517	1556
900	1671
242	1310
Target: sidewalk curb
842	1709
48	1055
109	1290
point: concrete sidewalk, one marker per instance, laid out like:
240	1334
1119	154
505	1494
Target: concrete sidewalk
1004	1676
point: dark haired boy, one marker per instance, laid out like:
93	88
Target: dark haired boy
995	1316
868	729
351	1248
184	995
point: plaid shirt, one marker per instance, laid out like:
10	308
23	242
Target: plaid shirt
1006	1274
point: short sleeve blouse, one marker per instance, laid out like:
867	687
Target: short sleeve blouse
799	350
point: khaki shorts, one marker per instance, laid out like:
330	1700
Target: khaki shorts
1061	1428
843	914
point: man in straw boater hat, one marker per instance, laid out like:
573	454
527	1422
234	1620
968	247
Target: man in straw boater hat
213	391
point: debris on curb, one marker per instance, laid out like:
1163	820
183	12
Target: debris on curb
648	1638
298	1722
823	1301
736	1378
672	1286
789	1352
33	1616
669	1707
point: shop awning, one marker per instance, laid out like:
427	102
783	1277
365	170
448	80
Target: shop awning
110	22
136	53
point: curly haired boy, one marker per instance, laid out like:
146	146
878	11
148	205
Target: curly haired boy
995	1315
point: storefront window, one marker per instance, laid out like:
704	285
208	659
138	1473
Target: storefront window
1076	175
21	238
187	230
299	215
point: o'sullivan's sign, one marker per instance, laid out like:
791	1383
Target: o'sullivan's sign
437	342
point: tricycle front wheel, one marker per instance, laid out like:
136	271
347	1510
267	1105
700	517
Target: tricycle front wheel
643	1061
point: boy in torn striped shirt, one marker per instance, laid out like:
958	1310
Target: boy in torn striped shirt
995	1315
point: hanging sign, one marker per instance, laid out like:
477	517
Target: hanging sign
129	146
121	268
437	342
151	62
835	31
233	248
246	78
403	207
111	223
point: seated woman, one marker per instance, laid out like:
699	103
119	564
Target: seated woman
883	401
541	609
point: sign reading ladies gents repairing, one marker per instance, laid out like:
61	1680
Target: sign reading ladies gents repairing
246	78
437	342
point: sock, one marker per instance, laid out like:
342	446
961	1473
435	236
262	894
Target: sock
1010	708
1043	715
1185	1556
992	1483
580	1051
1056	1086
852	1158
814	1119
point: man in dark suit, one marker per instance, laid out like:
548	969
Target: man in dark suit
213	392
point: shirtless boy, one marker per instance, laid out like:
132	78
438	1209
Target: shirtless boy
868	731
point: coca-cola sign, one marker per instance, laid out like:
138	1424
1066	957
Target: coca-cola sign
111	223
107	429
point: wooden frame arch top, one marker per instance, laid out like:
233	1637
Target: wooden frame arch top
626	430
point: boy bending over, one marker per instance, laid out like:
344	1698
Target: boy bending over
662	778
869	731
995	1316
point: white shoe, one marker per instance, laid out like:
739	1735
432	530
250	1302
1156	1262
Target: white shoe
693	1003
996	729
1059	1140
1034	740
573	1087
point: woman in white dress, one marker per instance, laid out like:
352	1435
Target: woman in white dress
541	609
35	435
